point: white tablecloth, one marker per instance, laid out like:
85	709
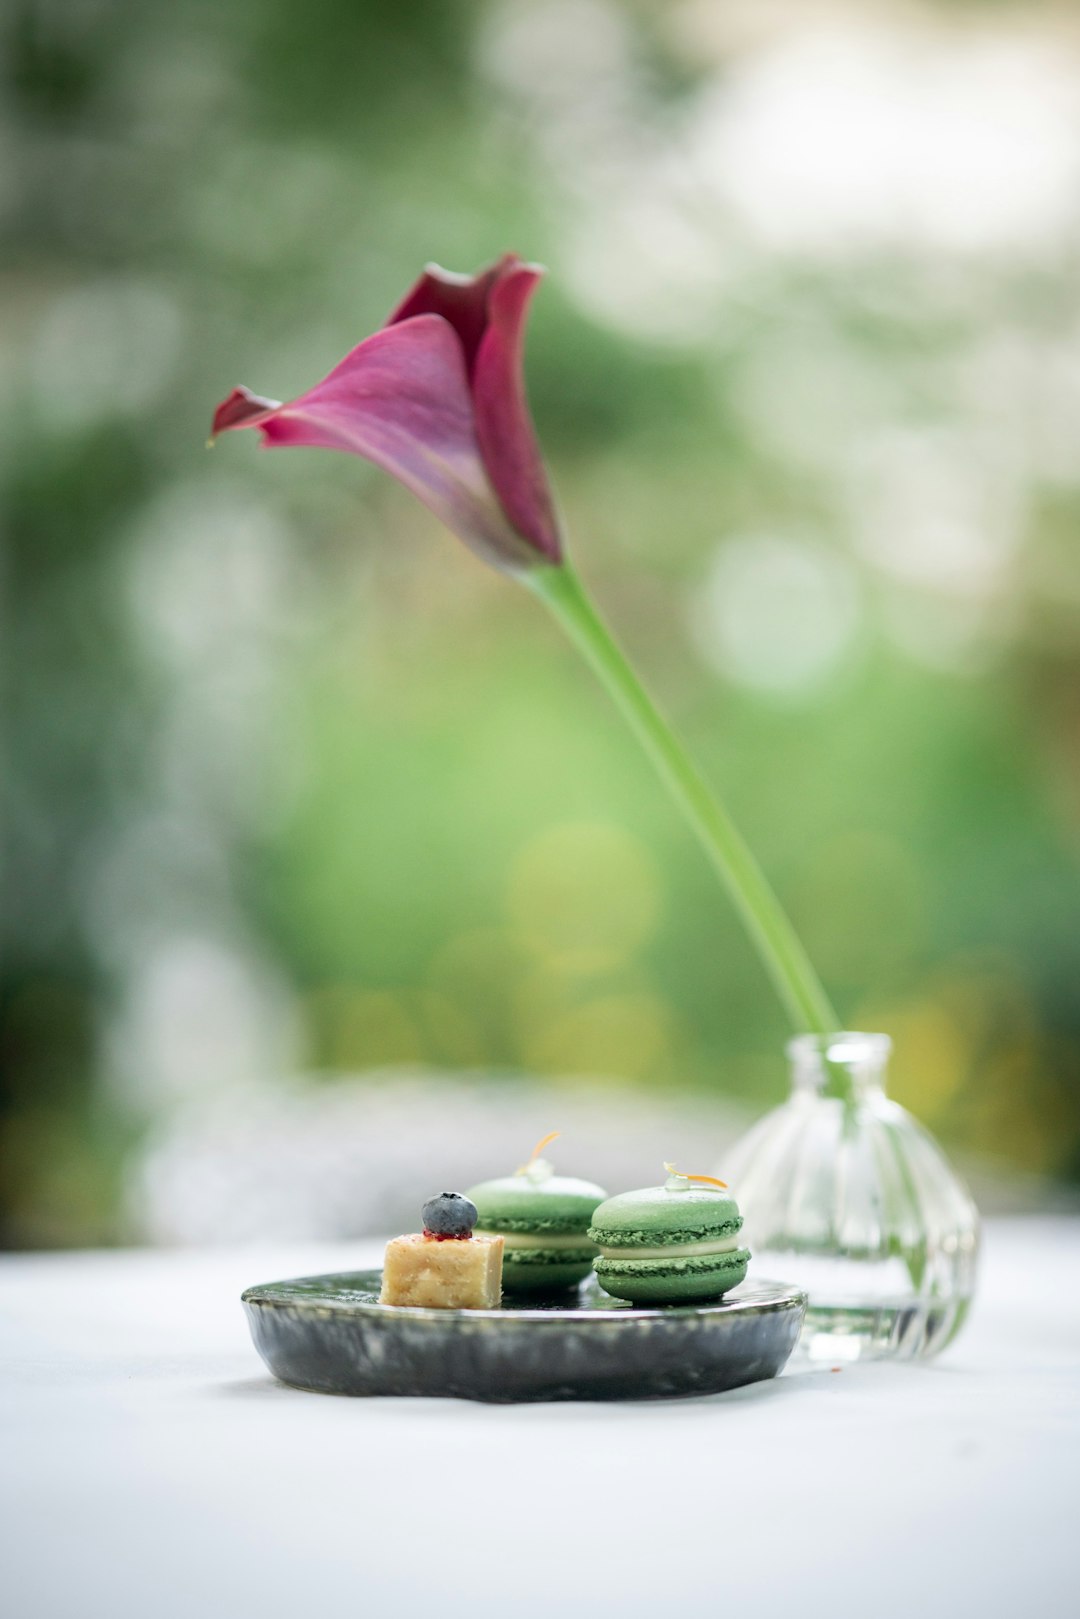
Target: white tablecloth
151	1469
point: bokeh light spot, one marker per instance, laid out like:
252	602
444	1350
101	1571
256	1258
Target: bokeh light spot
106	349
622	1036
777	614
586	895
352	1029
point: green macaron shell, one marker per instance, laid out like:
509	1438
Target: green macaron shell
559	1206
655	1281
668	1217
655	1216
545	1270
551	1256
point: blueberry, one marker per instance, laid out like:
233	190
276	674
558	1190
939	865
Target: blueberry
449	1215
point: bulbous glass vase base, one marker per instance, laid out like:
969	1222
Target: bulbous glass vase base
837	1333
844	1194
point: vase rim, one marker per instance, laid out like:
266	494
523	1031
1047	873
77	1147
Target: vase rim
843	1046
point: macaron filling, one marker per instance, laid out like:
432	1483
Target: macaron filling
534	1225
706	1267
675	1250
516	1241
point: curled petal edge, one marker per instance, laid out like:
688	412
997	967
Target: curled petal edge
504	425
401	400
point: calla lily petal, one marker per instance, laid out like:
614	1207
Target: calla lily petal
241	409
460	299
437	399
399	399
504	425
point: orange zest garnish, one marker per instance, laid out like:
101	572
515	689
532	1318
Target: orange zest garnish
705	1180
544	1141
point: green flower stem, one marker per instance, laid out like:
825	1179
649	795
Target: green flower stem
785	959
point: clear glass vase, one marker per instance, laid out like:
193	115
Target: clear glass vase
844	1193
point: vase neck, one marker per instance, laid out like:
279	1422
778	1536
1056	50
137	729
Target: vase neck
848	1064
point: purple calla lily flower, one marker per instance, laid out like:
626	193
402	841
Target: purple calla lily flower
437	399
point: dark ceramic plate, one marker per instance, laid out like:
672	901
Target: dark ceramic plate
331	1334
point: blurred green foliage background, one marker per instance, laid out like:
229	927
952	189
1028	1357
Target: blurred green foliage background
293	785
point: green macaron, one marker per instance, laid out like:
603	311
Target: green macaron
669	1244
544	1219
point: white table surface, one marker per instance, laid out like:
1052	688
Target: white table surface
149	1467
